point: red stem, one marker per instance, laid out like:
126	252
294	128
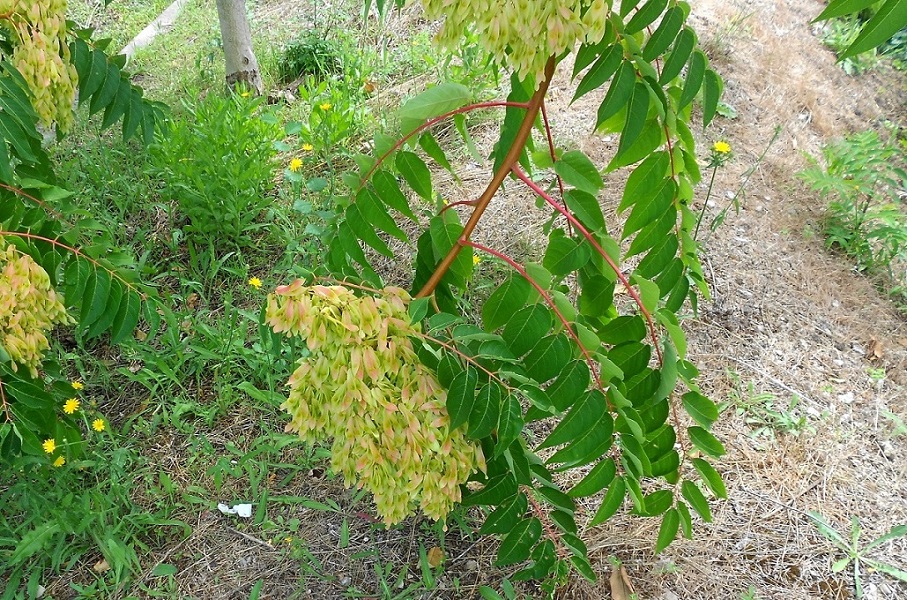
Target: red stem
37	201
551	150
579	226
78	253
432	122
550	301
511	158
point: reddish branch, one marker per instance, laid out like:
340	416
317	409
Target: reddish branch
78	253
513	155
37	201
431	123
550	301
579	226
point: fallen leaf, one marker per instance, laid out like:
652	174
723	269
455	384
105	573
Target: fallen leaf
192	301
101	566
621	588
435	557
875	349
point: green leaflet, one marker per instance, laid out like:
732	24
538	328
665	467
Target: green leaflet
695	75
637	112
665	34
387	188
461	396
582	417
703	410
549	357
577	170
706	442
495	492
373	211
570	384
565	255
650	208
670	522
526	328
693	495
840	8
589	446
586	208
683	48
431	147
596	480
711	94
629	328
431	103
510	424
515	547
645	181
614	497
618	93
415	172
486	411
601	71
645	16
97	288
505	516
505	301
889	19
711	477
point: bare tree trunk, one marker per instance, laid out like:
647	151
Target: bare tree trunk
241	64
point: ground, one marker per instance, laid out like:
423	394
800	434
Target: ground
787	319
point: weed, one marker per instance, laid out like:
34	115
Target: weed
311	54
217	164
898	426
763	411
839	34
856	555
750	594
864	180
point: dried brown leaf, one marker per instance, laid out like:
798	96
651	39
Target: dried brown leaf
435	557
621	588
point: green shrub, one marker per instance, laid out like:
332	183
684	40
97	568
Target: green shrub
217	163
864	181
309	55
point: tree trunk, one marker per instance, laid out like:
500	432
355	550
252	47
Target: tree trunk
241	64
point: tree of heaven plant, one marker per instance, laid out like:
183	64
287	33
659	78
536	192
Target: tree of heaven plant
575	362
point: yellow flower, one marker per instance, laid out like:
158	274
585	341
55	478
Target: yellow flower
245	94
255	282
71	406
98	425
476	259
307	147
49	445
295	164
77	385
722	147
60	461
325	106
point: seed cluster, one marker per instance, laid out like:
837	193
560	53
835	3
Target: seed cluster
522	33
29	308
364	387
41	55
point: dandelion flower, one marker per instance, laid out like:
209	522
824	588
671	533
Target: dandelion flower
307	147
255	282
98	425
49	445
71	406
60	461
722	147
476	259
77	385
295	164
325	106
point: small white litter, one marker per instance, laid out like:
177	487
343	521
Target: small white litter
240	510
